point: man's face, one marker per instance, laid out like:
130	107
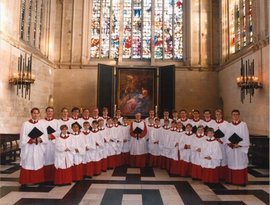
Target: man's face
49	113
95	112
86	113
183	114
218	115
65	113
75	113
207	115
235	116
35	114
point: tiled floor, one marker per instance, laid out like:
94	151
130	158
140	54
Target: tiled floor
134	186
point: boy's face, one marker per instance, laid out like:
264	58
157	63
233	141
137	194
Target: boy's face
210	134
105	112
151	113
86	126
75	113
64	131
94	125
101	123
86	113
188	128
200	130
175	114
95	112
179	125
235	116
166	114
173	125
75	128
218	115
110	121
157	122
138	116
166	123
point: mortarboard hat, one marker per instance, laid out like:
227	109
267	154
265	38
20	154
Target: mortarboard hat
235	139
50	130
194	129
137	130
35	133
184	128
219	134
76	123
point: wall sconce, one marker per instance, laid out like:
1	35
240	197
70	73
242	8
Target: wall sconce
23	78
247	81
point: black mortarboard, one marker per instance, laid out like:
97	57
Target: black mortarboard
50	130
205	128
137	130
219	134
76	123
35	133
194	129
235	139
119	123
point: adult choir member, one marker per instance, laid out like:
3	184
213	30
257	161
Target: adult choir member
138	145
237	136
33	139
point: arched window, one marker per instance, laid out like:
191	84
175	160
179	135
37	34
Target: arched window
240	24
136	29
31	21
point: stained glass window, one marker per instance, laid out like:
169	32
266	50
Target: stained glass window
240	24
138	32
31	21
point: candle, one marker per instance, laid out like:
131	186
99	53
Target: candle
156	109
242	67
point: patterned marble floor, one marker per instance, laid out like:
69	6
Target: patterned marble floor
132	186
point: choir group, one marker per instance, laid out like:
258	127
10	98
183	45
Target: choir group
77	146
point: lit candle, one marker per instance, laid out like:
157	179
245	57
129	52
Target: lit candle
156	109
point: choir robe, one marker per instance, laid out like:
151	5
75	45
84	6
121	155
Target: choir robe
237	157
210	147
223	169
125	129
153	146
104	162
79	144
162	121
185	154
118	143
174	156
94	118
82	120
90	145
185	121
66	122
50	149
211	123
32	155
196	169
99	151
110	146
138	145
150	128
196	123
73	120
63	159
164	151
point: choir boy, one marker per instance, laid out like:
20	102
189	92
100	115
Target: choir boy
51	126
63	157
117	139
104	135
220	128
175	115
196	147
185	151
119	116
85	132
110	144
125	127
75	116
151	116
153	146
105	113
237	136
99	151
164	161
138	145
95	115
210	158
85	117
33	139
79	147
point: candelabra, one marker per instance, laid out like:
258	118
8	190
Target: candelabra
248	82
23	78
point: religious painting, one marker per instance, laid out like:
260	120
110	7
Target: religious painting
136	90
